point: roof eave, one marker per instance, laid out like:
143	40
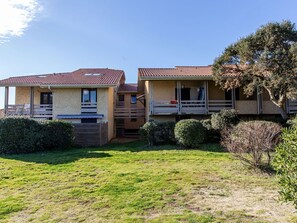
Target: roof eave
208	77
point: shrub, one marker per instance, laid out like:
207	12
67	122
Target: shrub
165	132
147	131
252	142
190	133
20	135
212	134
285	163
224	119
158	132
292	122
23	135
57	134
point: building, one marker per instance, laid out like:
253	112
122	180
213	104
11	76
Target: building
81	96
190	92
102	96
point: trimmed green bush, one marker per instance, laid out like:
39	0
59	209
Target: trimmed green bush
147	131
158	132
224	119
20	135
285	163
57	135
23	135
190	133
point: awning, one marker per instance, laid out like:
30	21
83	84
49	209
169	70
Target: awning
79	116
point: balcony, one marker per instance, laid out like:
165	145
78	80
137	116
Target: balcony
88	107
188	107
39	111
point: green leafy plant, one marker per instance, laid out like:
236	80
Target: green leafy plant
190	133
285	163
224	119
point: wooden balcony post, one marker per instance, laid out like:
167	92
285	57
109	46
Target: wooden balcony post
178	94
233	96
6	100
31	102
206	96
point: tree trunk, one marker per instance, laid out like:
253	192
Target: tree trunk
283	113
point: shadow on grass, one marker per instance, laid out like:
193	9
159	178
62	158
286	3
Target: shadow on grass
139	146
59	157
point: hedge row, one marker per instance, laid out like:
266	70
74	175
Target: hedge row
23	135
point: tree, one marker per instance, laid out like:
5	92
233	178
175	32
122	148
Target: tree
266	59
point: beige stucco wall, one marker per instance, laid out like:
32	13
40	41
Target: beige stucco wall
163	90
214	92
22	95
246	107
269	108
111	102
66	101
105	106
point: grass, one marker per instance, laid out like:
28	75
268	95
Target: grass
135	183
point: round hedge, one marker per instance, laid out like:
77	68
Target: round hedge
190	133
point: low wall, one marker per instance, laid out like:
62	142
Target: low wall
91	134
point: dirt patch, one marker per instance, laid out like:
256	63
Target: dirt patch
258	202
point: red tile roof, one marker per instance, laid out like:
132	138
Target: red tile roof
192	72
97	77
128	87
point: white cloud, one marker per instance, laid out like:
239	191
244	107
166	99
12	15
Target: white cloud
15	17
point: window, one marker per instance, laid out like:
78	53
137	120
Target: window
133	99
88	120
133	120
46	98
121	97
89	95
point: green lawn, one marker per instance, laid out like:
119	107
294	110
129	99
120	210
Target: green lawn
136	183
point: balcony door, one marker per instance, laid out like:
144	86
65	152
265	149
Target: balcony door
184	93
46	98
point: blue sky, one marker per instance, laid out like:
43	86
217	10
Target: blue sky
64	35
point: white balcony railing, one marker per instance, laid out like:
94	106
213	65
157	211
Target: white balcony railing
195	107
39	111
218	105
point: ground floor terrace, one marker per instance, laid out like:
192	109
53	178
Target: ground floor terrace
203	97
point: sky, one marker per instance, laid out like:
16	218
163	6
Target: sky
51	36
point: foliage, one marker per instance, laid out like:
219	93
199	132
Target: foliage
165	132
23	135
252	142
158	132
190	133
212	134
224	119
292	122
57	134
285	163
266	59
20	135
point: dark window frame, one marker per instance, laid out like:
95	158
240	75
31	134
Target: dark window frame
49	98
89	89
121	96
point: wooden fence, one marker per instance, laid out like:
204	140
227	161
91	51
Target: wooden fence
91	134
